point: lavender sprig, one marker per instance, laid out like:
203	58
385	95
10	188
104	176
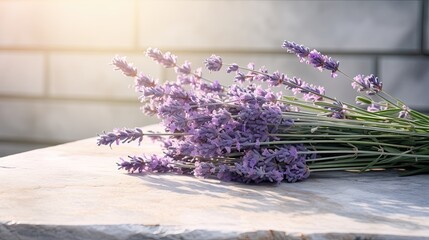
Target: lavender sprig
250	134
121	64
313	57
213	63
120	135
370	84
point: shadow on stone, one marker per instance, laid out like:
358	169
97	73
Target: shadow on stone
374	197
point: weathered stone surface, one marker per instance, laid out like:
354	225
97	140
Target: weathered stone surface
73	191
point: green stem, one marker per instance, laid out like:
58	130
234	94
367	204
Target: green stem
363	151
310	141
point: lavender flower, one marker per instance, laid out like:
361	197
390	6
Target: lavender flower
314	57
310	92
370	84
300	51
224	173
211	87
331	65
124	135
127	68
338	110
405	113
375	107
184	69
376	84
203	169
148	164
213	63
142	81
232	68
167	59
239	77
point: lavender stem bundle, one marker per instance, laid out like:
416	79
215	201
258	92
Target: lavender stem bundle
246	133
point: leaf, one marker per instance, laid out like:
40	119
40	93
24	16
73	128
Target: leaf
391	150
363	100
388	112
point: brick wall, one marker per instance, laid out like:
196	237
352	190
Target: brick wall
56	84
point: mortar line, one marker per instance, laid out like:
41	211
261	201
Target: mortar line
13	97
30	141
47	77
218	51
423	24
377	65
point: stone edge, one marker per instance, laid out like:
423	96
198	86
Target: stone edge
15	231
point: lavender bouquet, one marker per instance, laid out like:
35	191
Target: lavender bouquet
250	134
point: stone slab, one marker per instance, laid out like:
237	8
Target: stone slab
74	191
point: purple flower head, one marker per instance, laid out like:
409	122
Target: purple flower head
376	107
370	84
120	135
142	81
147	164
297	171
361	84
275	176
405	113
316	59
239	77
184	69
127	68
204	169
196	119
251	158
300	51
276	78
220	117
311	92
150	108
224	173
205	133
286	154
213	63
376	84
338	111
131	166
186	79
177	92
211	87
155	92
167	60
331	65
232	68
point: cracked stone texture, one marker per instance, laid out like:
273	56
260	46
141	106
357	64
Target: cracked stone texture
74	191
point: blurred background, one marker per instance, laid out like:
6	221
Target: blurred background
56	84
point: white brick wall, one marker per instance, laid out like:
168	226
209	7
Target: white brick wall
56	84
407	78
90	75
22	73
72	24
254	25
62	120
